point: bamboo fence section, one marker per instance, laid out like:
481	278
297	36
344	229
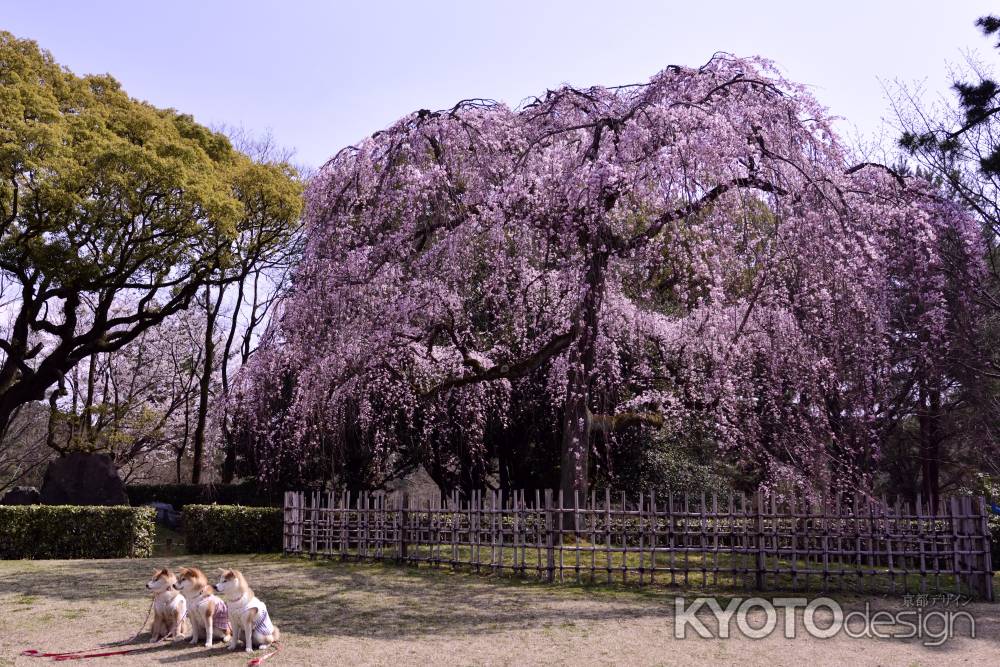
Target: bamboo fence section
759	542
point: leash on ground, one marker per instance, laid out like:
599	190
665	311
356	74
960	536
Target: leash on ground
256	661
81	655
142	627
95	652
85	654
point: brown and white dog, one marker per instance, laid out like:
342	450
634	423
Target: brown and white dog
169	606
247	614
208	612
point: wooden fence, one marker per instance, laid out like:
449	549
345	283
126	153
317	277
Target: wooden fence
848	543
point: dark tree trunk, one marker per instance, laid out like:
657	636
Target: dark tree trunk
574	469
229	461
503	464
205	385
930	444
228	441
88	406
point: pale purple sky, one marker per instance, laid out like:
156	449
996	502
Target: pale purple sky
321	75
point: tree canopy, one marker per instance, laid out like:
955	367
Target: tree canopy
953	142
113	213
694	254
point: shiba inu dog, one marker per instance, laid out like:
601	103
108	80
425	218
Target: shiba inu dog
169	606
206	611
247	613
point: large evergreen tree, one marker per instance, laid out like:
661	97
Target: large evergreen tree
956	427
113	215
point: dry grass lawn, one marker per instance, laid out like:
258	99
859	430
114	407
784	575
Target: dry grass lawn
357	614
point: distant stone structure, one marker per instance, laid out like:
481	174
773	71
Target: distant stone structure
79	478
417	484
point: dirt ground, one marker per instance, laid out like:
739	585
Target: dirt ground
357	614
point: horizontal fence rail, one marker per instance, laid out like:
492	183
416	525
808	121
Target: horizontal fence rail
761	542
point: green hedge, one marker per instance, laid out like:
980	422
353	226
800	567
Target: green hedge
71	531
232	529
180	495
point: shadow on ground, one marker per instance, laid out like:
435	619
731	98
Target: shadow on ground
324	599
362	600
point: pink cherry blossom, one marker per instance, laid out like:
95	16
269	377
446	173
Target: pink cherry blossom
695	249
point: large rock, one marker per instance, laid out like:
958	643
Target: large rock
83	479
21	495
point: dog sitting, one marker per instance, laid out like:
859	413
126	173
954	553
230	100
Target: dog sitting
246	612
208	612
169	606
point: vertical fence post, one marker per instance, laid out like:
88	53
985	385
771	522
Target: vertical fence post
313	514
285	524
607	530
986	560
550	556
401	532
298	512
957	562
761	569
967	558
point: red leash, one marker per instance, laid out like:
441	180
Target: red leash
80	655
105	654
256	661
86	654
35	653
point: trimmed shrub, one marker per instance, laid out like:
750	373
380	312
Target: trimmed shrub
232	529
179	495
76	531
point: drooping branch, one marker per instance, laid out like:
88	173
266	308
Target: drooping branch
877	165
609	423
699	205
517	369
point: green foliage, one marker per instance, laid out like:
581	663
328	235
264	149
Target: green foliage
105	171
181	495
70	531
114	214
232	529
666	461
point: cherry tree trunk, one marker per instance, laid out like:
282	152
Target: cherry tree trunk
574	469
930	444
